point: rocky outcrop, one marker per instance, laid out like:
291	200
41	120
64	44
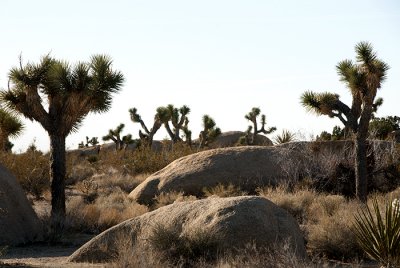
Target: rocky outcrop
246	166
232	222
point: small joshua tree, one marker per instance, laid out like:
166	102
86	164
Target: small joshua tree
10	126
209	132
115	136
177	117
148	135
253	131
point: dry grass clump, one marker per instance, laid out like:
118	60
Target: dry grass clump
165	199
331	236
105	212
142	160
296	203
224	191
326	220
203	250
125	182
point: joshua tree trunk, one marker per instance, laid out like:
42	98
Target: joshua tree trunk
361	171
57	175
361	163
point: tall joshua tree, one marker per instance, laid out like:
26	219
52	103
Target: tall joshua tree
115	136
252	116
363	78
59	96
209	132
178	117
10	126
161	116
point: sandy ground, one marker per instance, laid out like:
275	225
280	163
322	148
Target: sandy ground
41	256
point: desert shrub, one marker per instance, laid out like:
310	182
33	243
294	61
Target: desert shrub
143	159
250	256
223	191
331	236
378	232
189	247
105	212
296	203
89	190
125	182
276	256
31	170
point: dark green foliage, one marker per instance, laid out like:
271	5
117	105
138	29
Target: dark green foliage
338	133
10	126
381	127
379	235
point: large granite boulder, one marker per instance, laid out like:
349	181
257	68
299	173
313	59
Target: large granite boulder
233	222
247	166
231	138
18	222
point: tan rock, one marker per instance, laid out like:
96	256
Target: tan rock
245	166
235	222
18	222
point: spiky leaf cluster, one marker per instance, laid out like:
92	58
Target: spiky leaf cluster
379	233
70	91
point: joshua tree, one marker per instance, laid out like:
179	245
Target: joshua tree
363	78
10	126
250	137
178	117
209	132
148	135
59	96
89	142
187	133
115	136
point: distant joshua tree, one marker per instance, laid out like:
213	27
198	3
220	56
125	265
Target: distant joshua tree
89	142
253	131
178	118
363	79
10	126
59	96
160	117
210	131
115	136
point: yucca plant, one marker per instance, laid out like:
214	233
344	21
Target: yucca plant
378	234
284	137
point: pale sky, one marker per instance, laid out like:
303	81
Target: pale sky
219	57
